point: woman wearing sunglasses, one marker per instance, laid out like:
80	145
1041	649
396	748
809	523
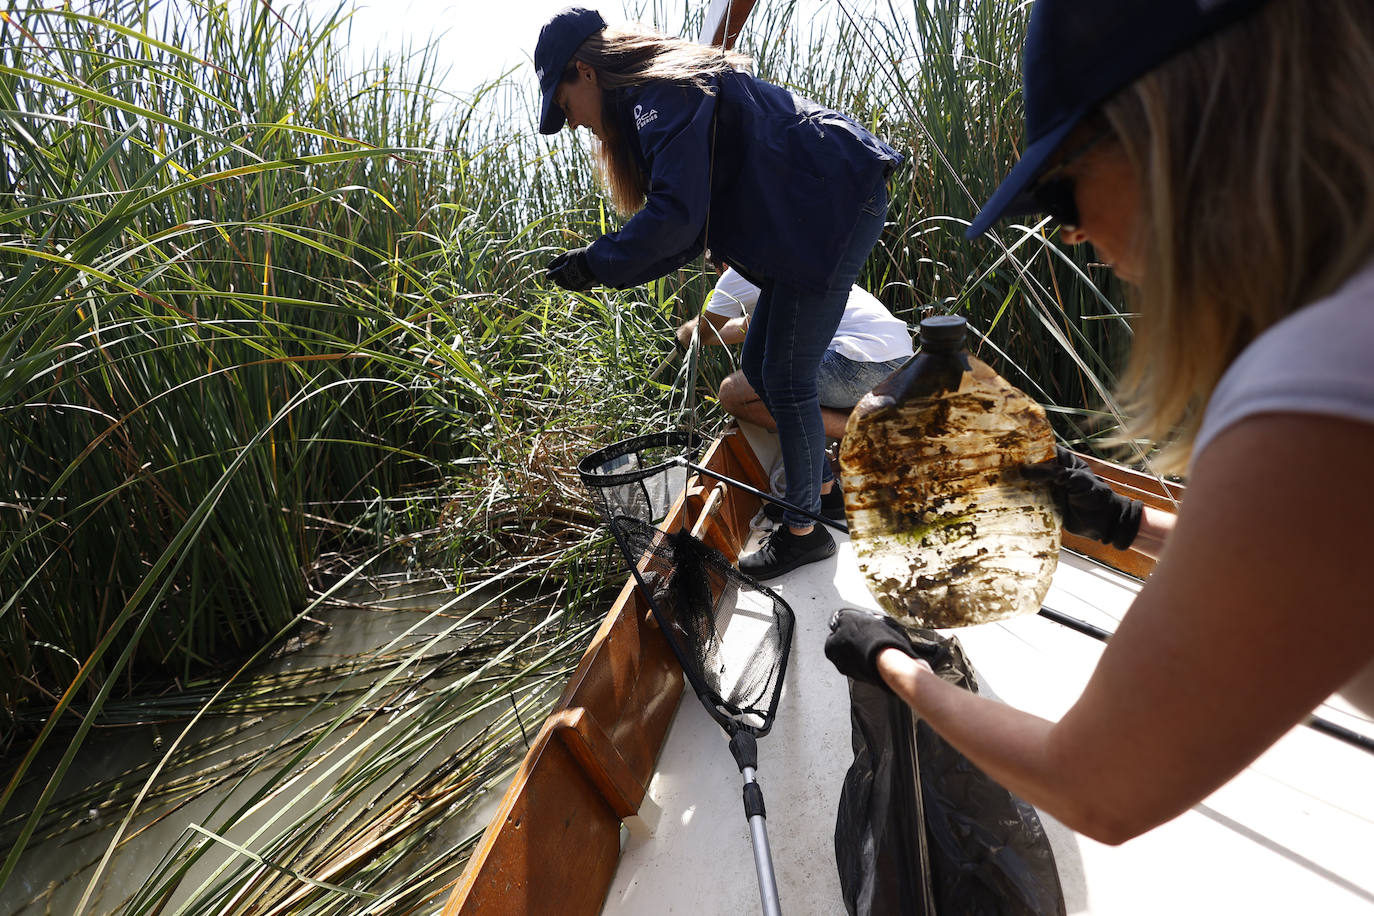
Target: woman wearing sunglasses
1219	155
791	194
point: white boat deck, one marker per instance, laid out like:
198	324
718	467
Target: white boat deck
1292	834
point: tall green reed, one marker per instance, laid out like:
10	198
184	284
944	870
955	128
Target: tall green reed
258	310
150	336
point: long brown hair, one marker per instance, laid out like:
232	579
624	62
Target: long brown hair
632	57
1255	156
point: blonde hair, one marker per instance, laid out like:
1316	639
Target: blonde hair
631	57
1255	157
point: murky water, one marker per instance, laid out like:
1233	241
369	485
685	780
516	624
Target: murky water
364	745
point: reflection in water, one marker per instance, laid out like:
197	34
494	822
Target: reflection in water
355	768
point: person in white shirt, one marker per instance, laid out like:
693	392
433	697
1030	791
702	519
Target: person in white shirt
1220	156
869	345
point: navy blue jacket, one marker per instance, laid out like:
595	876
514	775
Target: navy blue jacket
782	192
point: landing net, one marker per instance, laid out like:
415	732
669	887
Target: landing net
731	634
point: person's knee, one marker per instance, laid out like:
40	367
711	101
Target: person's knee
735	392
788	382
793	393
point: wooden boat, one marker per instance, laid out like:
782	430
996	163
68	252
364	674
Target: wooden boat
628	801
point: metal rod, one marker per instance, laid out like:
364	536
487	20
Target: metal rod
831	523
763	857
1341	733
1073	623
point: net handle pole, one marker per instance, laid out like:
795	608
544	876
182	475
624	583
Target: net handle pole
706	472
744	748
763	856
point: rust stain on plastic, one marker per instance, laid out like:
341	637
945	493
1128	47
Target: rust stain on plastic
947	531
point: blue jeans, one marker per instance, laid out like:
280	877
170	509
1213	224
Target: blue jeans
842	382
789	333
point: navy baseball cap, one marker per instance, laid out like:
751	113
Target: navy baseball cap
1078	54
560	37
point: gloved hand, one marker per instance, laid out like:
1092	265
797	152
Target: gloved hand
570	270
856	637
1089	505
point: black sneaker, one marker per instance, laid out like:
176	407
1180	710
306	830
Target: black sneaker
780	551
832	506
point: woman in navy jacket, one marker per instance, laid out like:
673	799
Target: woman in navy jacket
792	194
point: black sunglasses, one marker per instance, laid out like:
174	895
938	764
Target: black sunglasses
1053	192
1055	198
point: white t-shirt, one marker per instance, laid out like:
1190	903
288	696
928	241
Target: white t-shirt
1318	360
868	332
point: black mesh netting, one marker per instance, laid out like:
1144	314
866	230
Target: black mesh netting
730	634
639	478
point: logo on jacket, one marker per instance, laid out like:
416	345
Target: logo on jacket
641	118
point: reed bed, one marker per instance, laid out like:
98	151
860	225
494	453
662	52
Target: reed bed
268	324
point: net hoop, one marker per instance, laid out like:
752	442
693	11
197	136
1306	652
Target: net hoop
591	468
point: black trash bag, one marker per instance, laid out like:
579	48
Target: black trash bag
880	834
921	831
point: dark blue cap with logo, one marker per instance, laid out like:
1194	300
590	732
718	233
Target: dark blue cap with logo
1078	54
560	37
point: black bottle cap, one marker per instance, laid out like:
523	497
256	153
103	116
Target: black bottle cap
943	333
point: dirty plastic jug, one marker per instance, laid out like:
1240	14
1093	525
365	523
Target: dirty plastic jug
947	531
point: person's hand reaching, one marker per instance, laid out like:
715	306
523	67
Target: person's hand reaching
857	638
571	271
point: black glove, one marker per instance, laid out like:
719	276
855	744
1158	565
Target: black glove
856	637
1089	505
570	270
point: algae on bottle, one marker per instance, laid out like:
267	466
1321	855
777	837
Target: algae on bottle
947	530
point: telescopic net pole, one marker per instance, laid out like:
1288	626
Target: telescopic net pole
731	634
745	751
